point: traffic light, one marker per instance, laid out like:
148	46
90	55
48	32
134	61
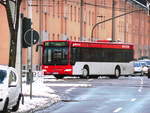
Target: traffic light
26	25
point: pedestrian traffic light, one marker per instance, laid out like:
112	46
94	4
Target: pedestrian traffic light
26	25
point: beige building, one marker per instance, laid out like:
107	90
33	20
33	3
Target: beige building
61	19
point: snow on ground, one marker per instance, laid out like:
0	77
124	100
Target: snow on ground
42	95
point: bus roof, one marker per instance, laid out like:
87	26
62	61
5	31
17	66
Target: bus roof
98	44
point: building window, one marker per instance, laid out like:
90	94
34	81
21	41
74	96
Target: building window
49	8
89	17
75	38
37	8
70	37
58	36
53	8
58	8
53	36
92	18
79	15
45	21
75	13
71	13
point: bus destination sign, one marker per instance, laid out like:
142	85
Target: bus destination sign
56	44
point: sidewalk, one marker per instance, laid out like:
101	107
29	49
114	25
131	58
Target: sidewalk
42	96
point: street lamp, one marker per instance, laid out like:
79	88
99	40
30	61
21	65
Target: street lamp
111	19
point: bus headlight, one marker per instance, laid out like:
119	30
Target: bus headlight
67	70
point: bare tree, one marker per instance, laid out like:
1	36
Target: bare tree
13	22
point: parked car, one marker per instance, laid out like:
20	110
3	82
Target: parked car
147	61
140	68
10	89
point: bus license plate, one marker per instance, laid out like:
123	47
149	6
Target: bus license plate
56	73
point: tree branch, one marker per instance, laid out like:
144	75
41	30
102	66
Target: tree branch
3	2
9	16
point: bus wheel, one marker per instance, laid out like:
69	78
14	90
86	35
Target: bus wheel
117	73
59	76
85	73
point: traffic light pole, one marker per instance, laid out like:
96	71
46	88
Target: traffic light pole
110	20
31	73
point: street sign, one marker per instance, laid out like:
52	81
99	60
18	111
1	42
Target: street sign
31	35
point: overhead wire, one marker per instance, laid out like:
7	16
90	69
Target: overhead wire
50	3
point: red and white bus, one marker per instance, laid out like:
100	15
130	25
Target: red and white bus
86	59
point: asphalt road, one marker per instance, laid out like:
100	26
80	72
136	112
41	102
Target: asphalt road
104	95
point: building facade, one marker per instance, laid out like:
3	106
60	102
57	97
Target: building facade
74	20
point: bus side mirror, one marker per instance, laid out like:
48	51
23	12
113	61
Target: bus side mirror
37	47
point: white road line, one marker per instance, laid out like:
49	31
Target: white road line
140	89
117	110
142	81
90	79
134	99
69	90
69	85
141	86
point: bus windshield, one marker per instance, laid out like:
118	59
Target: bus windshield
55	56
2	75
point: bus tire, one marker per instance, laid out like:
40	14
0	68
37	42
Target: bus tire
85	72
117	72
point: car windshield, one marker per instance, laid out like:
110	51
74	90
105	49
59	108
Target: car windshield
136	64
148	63
143	63
2	75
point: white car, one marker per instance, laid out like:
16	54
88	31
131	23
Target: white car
140	68
147	61
10	89
137	67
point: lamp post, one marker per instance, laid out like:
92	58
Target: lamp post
81	20
111	19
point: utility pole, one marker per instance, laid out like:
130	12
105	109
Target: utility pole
113	20
40	27
81	20
125	22
29	49
29	52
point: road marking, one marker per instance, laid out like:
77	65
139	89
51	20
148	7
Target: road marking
142	81
141	86
90	79
134	99
140	89
69	90
117	110
69	85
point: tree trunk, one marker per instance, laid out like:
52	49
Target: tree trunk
13	36
13	28
13	50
